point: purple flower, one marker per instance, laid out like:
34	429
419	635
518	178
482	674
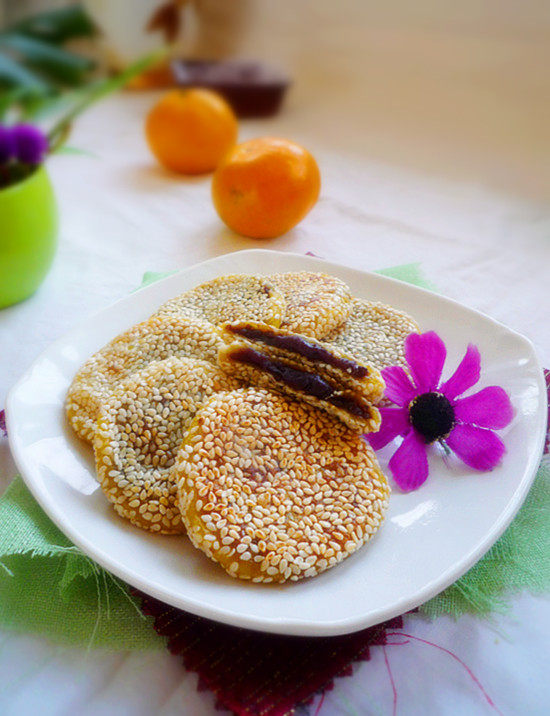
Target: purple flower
7	144
31	144
429	410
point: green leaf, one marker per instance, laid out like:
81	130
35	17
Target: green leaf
56	104
13	74
56	63
57	26
66	149
31	107
32	69
8	98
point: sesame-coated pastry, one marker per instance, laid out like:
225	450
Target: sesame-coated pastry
230	298
316	303
374	333
273	489
140	428
304	368
157	338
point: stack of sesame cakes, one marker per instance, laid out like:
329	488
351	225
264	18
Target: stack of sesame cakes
235	415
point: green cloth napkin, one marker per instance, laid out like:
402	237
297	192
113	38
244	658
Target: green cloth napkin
519	561
48	586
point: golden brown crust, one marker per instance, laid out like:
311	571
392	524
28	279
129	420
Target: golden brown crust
275	490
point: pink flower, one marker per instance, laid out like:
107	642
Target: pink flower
429	410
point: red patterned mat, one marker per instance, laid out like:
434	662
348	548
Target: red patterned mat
257	674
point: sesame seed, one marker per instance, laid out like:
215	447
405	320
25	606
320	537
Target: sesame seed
374	333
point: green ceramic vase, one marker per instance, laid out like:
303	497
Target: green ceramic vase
28	236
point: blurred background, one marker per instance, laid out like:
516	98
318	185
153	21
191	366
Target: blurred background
460	90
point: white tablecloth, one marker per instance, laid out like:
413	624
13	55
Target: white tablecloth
122	215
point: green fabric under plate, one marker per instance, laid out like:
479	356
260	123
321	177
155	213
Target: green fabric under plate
519	561
48	586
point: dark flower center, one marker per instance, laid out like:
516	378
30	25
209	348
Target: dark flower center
432	415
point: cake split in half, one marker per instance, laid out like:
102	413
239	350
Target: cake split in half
303	368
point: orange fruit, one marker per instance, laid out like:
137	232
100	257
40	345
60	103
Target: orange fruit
159	76
189	131
264	187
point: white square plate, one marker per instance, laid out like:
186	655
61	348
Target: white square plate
430	537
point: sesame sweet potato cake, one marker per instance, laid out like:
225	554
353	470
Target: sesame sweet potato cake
374	333
230	298
276	490
140	429
316	303
157	338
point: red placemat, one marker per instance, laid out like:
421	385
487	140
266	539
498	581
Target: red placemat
257	674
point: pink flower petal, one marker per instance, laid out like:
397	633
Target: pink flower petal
466	375
477	447
425	354
489	408
399	388
395	421
409	464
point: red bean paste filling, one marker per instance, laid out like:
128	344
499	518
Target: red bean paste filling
301	346
302	381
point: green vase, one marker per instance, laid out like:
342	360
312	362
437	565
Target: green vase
28	236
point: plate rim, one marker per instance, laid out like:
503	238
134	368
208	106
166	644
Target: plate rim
284	625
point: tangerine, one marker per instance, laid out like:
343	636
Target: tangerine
189	131
264	187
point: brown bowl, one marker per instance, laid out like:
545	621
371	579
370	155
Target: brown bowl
251	88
